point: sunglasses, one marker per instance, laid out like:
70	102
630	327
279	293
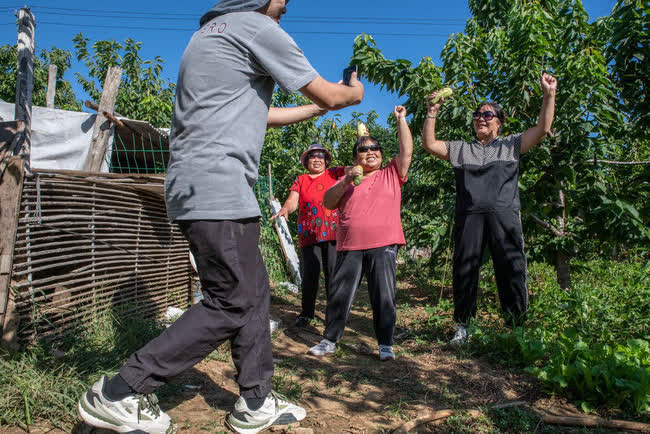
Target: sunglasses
369	148
317	155
487	115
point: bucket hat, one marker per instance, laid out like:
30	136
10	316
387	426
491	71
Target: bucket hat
315	147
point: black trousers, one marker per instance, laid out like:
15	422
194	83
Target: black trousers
501	231
379	267
313	256
235	308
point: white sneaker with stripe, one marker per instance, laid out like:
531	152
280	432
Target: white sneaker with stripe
276	410
133	414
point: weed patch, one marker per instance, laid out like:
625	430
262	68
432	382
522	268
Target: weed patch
588	343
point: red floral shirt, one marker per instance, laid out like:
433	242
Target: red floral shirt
315	222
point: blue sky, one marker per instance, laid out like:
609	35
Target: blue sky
407	29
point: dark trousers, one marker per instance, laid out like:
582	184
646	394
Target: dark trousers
501	231
379	267
235	308
313	257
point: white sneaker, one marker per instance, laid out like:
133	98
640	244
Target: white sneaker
276	410
386	353
461	335
139	413
323	348
274	324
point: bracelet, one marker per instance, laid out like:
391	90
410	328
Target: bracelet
431	116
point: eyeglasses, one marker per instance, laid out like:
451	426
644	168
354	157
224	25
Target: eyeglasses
487	115
369	148
317	155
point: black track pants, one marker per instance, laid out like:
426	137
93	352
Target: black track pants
379	267
313	256
501	231
235	308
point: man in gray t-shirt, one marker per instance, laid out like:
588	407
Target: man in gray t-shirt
225	83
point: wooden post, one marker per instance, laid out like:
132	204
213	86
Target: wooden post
270	184
25	80
51	87
11	188
11	134
102	131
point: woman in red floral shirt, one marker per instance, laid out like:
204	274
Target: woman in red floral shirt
316	224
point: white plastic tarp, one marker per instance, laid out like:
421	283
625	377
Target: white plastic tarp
60	138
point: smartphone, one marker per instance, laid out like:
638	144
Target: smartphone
347	74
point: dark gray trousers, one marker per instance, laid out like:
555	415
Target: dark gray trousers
378	265
235	308
501	232
313	256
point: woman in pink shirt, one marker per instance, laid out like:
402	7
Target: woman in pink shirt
368	235
316	225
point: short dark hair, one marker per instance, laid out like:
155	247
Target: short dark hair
498	110
360	141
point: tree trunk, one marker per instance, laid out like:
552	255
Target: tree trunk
562	269
562	257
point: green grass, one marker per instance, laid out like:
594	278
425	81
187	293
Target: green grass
44	382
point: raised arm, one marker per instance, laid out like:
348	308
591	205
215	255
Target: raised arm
334	96
403	159
429	141
290	205
334	195
281	116
534	135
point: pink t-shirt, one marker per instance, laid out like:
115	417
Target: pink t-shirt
369	214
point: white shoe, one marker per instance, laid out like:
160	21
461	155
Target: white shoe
276	410
139	413
386	353
461	335
323	348
274	324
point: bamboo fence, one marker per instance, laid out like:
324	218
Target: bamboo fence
87	242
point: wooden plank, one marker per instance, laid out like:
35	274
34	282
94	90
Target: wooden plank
25	81
102	131
11	185
10	136
51	87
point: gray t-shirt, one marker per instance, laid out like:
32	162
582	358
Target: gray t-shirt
224	89
486	175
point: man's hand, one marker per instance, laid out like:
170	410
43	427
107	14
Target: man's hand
432	108
354	82
284	212
548	84
399	112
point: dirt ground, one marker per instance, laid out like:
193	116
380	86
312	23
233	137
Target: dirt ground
351	391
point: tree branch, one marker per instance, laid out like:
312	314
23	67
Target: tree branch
619	163
546	225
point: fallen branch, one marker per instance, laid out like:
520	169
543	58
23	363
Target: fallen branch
594	421
582	421
425	418
443	414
